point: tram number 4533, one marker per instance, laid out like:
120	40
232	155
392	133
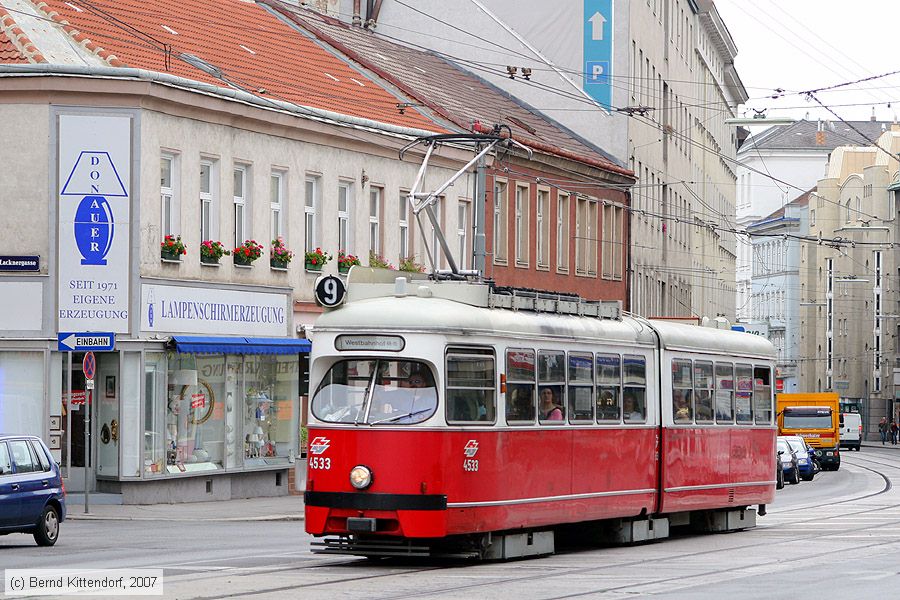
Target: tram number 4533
470	464
317	462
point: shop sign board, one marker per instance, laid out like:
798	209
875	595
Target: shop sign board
23	305
94	171
185	309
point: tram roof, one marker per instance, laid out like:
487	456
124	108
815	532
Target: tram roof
376	309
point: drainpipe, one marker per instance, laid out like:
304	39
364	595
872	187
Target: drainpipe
479	251
357	21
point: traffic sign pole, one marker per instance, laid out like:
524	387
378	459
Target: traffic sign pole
89	365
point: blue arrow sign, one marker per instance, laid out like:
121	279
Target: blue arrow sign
598	50
83	342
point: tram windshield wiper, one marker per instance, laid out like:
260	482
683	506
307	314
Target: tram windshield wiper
396	418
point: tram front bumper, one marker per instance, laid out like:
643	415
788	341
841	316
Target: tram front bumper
402	515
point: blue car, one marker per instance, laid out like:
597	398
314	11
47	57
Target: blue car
32	495
804	453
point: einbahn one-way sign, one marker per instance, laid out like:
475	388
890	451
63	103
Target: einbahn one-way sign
87	341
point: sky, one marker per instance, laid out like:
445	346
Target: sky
803	45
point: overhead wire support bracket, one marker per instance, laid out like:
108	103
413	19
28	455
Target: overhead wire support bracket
421	201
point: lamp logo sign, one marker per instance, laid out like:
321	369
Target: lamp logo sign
94	212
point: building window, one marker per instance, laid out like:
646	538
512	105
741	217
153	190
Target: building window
403	224
310	212
521	225
462	231
207	199
500	227
586	236
543	229
562	232
345	200
276	204
241	174
168	197
375	196
612	241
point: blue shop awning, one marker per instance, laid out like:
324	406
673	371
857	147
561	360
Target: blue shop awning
239	345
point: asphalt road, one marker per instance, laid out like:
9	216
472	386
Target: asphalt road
837	536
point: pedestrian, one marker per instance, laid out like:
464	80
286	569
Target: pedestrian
893	432
882	429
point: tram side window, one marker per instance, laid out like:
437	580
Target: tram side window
703	386
551	386
609	387
743	410
724	393
682	406
470	385
581	387
762	395
520	387
634	394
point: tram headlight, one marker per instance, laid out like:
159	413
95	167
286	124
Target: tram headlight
360	477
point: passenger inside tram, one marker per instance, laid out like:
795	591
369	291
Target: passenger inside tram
633	408
681	405
550	409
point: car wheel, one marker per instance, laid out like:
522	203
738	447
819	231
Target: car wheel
795	476
47	531
809	477
779	479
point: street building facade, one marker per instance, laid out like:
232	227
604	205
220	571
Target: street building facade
650	82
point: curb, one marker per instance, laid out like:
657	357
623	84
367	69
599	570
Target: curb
90	517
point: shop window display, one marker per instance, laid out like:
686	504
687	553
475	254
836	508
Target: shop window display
269	387
195	413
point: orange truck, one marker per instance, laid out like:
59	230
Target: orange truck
816	418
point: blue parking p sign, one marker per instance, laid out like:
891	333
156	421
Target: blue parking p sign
598	50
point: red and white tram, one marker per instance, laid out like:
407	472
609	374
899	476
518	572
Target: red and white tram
447	418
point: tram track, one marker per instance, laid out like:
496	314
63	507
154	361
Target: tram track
491	584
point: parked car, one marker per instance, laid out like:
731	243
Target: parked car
851	431
789	465
805	456
779	471
32	495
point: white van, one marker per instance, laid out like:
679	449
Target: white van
851	431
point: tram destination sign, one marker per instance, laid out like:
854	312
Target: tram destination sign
87	341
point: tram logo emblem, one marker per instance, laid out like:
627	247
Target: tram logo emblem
318	445
471	448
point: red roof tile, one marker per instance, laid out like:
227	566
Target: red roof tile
457	95
8	52
240	45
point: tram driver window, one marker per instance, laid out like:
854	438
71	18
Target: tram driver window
634	395
520	386
682	408
551	386
470	385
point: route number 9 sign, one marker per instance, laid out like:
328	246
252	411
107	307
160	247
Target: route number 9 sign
330	291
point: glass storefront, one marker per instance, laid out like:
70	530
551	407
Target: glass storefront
209	412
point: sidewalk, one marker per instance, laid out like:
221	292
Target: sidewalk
281	508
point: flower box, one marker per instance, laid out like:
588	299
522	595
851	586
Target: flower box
171	248
246	253
313	267
279	264
211	251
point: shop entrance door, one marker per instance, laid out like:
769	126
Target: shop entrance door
73	413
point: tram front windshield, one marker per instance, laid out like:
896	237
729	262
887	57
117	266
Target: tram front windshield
376	392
